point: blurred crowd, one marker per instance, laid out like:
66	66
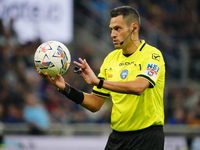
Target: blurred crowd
25	97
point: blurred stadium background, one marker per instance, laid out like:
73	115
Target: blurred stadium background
35	116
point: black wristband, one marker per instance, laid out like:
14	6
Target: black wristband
73	94
99	86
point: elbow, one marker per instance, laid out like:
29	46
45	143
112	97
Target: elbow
95	109
139	86
138	91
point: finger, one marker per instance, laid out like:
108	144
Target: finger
82	74
82	64
50	79
41	74
81	60
47	76
80	69
86	64
78	64
57	76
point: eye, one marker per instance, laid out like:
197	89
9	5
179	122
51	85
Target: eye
117	28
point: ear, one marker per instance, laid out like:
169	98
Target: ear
134	26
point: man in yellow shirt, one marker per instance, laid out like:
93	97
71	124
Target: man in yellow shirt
134	75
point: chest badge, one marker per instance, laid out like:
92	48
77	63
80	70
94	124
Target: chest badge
124	74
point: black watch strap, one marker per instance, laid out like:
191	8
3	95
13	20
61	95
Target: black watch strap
99	86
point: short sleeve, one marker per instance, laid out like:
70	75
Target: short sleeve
152	67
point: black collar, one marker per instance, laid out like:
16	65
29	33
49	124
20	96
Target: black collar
127	55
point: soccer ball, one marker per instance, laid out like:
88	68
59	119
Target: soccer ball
52	57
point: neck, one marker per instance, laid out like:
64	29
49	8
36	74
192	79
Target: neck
132	47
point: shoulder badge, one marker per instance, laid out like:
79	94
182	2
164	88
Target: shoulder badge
156	56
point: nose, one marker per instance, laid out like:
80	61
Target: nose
113	34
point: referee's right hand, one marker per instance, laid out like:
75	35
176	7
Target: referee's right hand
57	81
87	73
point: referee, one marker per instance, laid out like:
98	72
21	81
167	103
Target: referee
134	76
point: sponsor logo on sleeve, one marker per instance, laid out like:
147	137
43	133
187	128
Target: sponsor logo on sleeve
156	56
152	70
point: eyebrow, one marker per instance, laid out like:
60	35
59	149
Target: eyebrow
117	26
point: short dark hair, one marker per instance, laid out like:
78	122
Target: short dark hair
129	14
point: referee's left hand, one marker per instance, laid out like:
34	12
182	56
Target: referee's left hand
87	72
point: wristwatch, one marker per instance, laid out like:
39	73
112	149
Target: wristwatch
99	86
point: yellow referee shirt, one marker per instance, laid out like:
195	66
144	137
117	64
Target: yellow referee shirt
132	112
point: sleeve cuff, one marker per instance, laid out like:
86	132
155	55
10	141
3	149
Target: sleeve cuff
152	83
100	94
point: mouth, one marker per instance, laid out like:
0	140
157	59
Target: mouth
115	42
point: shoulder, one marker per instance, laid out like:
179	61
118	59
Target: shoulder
146	48
114	52
151	49
153	52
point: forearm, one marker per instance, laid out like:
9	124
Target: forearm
88	101
130	87
92	102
